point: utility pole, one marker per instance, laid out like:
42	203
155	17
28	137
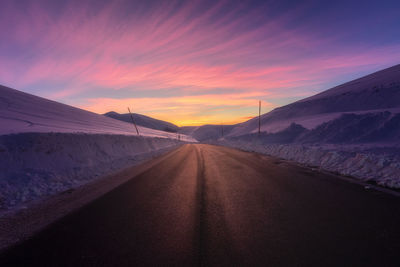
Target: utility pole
133	121
259	117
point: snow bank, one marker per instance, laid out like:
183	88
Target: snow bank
382	168
34	165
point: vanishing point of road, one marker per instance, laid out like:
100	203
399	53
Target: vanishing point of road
203	205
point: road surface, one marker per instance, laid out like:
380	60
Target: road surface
203	205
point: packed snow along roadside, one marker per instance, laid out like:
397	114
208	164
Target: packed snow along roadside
367	164
35	165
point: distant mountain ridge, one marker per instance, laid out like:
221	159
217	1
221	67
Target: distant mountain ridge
207	132
144	121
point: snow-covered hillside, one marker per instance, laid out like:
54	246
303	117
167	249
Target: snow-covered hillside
365	110
352	129
375	128
144	121
48	147
21	112
376	92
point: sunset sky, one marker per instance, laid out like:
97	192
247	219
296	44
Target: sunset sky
192	62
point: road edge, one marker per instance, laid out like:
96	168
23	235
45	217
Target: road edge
18	226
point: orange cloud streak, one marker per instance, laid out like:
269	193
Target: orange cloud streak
186	110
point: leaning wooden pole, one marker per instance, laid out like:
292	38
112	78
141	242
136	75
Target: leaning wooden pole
134	123
259	117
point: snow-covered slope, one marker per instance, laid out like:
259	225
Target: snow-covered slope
352	129
377	128
21	112
376	92
144	121
48	147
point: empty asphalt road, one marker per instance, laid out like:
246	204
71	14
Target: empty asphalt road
203	205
